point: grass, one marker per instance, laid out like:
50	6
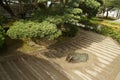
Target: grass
106	22
107	27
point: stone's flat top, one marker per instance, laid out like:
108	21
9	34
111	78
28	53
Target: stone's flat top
76	57
50	64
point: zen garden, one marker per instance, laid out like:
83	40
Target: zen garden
59	39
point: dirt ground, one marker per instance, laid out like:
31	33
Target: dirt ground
103	62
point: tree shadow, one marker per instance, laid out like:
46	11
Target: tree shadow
10	46
68	45
32	67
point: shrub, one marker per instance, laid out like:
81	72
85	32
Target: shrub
47	15
70	30
2	19
84	20
66	15
2	38
90	7
60	17
72	15
33	30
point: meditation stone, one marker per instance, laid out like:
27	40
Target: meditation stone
77	57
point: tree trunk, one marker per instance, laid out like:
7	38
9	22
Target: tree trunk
7	7
107	13
118	13
107	10
103	13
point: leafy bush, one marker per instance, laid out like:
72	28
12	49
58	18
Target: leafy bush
2	19
109	31
84	20
70	30
47	15
1	36
90	7
33	30
66	15
72	15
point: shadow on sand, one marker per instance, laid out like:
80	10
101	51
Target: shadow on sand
29	67
68	45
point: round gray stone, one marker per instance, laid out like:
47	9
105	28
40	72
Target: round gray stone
77	57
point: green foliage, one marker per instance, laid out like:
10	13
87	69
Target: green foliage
70	30
60	17
2	38
72	15
40	1
74	3
2	19
104	29
89	7
40	16
116	3
54	19
47	15
33	30
100	1
84	20
111	3
66	15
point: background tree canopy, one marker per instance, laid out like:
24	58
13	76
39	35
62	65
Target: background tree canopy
109	5
89	7
47	18
85	5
